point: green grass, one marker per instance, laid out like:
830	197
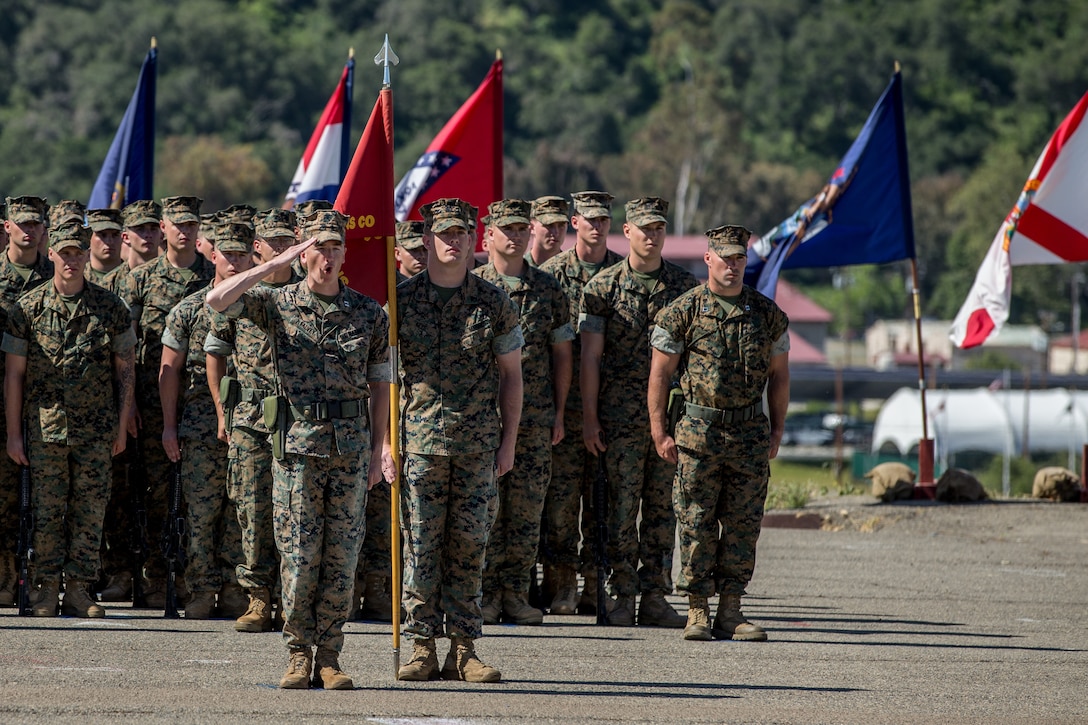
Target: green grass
794	484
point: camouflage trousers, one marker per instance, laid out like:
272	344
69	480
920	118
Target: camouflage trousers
374	553
638	477
719	501
9	505
317	517
69	489
159	472
249	486
568	497
215	542
452	502
117	527
512	545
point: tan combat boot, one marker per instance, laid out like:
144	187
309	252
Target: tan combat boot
297	676
698	627
463	664
565	600
491	607
424	663
729	623
621	611
46	599
79	603
9	580
655	611
548	583
516	609
233	601
118	588
200	606
377	599
587	603
155	593
327	672
258	617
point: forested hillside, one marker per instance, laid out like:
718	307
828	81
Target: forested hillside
739	110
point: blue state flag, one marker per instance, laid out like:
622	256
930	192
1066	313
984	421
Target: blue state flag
861	216
128	171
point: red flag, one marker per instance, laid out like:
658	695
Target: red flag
464	159
366	198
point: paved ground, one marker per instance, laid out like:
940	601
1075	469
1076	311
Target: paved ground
888	614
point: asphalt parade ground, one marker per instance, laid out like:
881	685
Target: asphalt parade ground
901	613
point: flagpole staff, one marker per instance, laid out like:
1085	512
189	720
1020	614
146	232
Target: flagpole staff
925	445
385	58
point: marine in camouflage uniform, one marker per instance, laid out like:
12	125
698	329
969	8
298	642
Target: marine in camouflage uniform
570	490
249	477
618	309
546	373
106	230
67	340
151	291
190	437
141	238
548	219
331	353
729	343
460	375
22	268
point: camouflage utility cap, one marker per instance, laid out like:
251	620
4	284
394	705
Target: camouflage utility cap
307	208
728	240
505	212
272	223
3	209
70	234
140	212
208	222
234	236
593	204
550	210
27	209
410	235
237	213
67	210
647	210
100	220
182	209
472	214
326	224
443	214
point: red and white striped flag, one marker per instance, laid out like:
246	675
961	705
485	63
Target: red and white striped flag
1048	225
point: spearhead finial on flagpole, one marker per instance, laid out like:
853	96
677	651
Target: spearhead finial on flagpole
154	42
386	57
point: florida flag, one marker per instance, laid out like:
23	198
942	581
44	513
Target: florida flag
1048	225
322	166
464	159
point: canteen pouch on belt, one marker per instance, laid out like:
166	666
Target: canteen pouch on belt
275	419
229	393
676	407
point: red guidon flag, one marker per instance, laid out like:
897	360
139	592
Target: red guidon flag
465	158
366	198
1048	225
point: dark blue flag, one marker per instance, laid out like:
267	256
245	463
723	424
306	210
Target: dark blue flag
861	216
127	172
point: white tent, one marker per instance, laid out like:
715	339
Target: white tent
1000	422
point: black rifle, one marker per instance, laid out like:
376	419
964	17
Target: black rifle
26	530
600	528
173	543
136	476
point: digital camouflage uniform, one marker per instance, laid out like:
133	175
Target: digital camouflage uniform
544	320
325	357
721	477
249	476
572	473
617	304
71	410
450	418
151	291
12	286
214	546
